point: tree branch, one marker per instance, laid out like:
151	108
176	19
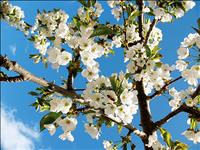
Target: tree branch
72	71
125	36
163	88
153	23
27	76
194	111
12	79
128	126
145	116
197	92
140	19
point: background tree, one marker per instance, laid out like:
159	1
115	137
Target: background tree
111	101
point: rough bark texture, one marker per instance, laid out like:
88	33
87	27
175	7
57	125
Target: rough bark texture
145	116
27	76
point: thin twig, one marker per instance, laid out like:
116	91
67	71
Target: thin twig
153	23
127	126
163	88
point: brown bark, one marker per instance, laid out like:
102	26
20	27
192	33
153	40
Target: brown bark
27	76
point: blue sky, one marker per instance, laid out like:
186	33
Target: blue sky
15	101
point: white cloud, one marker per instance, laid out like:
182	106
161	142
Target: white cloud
13	49
15	135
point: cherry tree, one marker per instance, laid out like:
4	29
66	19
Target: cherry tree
114	100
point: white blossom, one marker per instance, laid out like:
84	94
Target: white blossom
68	124
192	136
92	131
60	104
192	75
107	145
183	53
181	65
189	4
51	128
67	135
117	12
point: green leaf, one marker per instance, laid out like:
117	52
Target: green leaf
52	38
103	30
77	22
157	57
158	64
92	2
119	128
166	136
148	51
134	14
197	99
112	51
83	2
113	82
127	75
45	107
32	38
48	119
33	55
198	22
33	93
180	146
193	123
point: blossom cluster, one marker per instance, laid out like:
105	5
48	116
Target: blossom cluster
162	10
165	14
154	143
114	96
154	76
49	25
177	97
89	52
68	124
192	134
89	49
192	74
13	15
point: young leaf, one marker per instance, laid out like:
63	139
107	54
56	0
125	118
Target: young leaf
119	128
51	38
48	119
103	30
83	2
193	123
179	146
166	136
33	93
148	51
198	22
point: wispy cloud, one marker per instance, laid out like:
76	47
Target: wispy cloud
15	135
13	49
